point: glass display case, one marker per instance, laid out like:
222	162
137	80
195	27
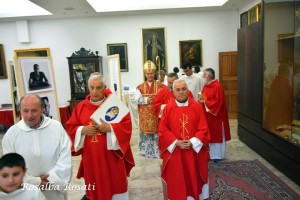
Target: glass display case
281	92
81	64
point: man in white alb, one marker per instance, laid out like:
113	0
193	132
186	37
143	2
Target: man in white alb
192	80
45	146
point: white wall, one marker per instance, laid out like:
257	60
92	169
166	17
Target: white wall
217	30
249	6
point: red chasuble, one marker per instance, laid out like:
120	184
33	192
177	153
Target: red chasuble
147	119
106	170
184	171
217	114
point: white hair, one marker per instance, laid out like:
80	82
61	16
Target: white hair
96	76
177	81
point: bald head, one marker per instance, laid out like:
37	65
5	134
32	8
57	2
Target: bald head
31	98
31	108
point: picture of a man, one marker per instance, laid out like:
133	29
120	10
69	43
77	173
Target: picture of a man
46	105
37	79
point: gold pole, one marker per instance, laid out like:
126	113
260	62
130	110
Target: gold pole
158	64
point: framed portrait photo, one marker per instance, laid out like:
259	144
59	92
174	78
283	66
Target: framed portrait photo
3	73
37	74
190	51
154	47
121	49
51	108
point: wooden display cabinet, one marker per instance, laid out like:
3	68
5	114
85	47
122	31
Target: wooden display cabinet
81	64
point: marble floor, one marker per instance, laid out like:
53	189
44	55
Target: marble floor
145	182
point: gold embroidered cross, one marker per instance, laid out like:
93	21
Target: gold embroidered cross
185	133
94	139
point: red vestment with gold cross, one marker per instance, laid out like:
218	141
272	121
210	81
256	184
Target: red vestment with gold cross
184	170
106	169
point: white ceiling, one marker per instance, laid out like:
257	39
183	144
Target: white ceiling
81	8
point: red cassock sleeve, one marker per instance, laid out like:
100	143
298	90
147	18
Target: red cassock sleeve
77	119
123	131
215	97
160	99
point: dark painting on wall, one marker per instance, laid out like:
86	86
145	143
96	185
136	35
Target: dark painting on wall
190	51
3	73
121	49
244	19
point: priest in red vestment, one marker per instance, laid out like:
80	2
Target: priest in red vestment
213	98
165	95
106	154
184	145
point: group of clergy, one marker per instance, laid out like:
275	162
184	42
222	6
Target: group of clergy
186	124
186	132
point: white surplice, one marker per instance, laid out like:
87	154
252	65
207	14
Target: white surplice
194	84
46	150
32	193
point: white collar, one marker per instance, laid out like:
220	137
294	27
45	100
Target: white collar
182	104
97	102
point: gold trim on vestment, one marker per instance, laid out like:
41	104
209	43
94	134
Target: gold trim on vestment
184	121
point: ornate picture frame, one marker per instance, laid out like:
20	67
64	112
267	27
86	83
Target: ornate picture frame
36	52
3	72
154	47
121	49
254	14
190	51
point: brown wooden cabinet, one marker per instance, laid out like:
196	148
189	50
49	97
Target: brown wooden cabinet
81	64
261	46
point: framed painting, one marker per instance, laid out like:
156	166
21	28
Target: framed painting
121	49
244	19
254	14
190	51
3	73
154	47
37	74
39	52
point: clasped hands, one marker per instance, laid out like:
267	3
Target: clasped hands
91	130
183	144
